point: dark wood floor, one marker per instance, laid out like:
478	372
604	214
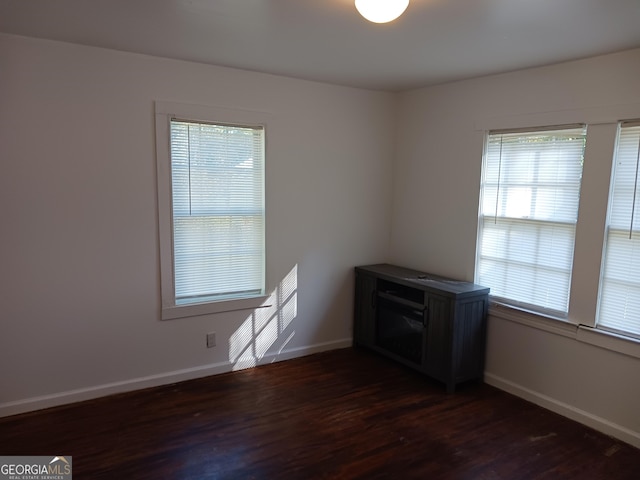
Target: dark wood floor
342	414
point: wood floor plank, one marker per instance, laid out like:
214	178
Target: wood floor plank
344	414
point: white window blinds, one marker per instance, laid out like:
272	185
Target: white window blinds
529	208
217	181
619	308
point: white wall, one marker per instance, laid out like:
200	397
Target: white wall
436	190
79	298
79	293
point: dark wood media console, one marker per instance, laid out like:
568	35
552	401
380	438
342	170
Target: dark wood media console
433	324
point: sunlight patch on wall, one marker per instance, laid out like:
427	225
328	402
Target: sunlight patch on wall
288	298
265	327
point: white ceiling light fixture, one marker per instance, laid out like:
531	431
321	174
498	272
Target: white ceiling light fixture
381	11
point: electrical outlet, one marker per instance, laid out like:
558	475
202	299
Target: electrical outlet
211	339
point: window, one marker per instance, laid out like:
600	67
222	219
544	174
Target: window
212	215
528	212
619	307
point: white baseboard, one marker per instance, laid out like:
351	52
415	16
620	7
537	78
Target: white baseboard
566	410
96	391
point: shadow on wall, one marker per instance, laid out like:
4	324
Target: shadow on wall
267	327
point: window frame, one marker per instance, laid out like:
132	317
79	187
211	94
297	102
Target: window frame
164	113
611	231
539	310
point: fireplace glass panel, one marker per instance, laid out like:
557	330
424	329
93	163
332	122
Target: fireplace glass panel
400	330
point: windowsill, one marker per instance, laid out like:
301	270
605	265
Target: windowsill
558	326
198	309
548	323
610	341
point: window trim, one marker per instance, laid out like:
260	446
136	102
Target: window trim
516	305
607	330
164	112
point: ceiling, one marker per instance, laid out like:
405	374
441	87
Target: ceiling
435	41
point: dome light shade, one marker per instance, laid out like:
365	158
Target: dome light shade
381	11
